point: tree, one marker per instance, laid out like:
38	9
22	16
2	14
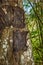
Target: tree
34	24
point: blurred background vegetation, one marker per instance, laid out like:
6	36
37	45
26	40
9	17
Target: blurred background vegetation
34	20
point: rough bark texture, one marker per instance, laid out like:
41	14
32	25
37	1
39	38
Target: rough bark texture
13	39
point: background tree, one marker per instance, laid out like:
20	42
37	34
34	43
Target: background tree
34	21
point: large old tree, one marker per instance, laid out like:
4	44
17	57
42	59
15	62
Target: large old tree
14	47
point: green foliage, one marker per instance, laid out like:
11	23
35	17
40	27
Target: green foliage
34	21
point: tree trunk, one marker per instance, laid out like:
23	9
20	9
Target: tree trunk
16	49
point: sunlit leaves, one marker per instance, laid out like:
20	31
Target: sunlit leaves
34	25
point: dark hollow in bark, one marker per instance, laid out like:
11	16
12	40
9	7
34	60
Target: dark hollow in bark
19	41
19	17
